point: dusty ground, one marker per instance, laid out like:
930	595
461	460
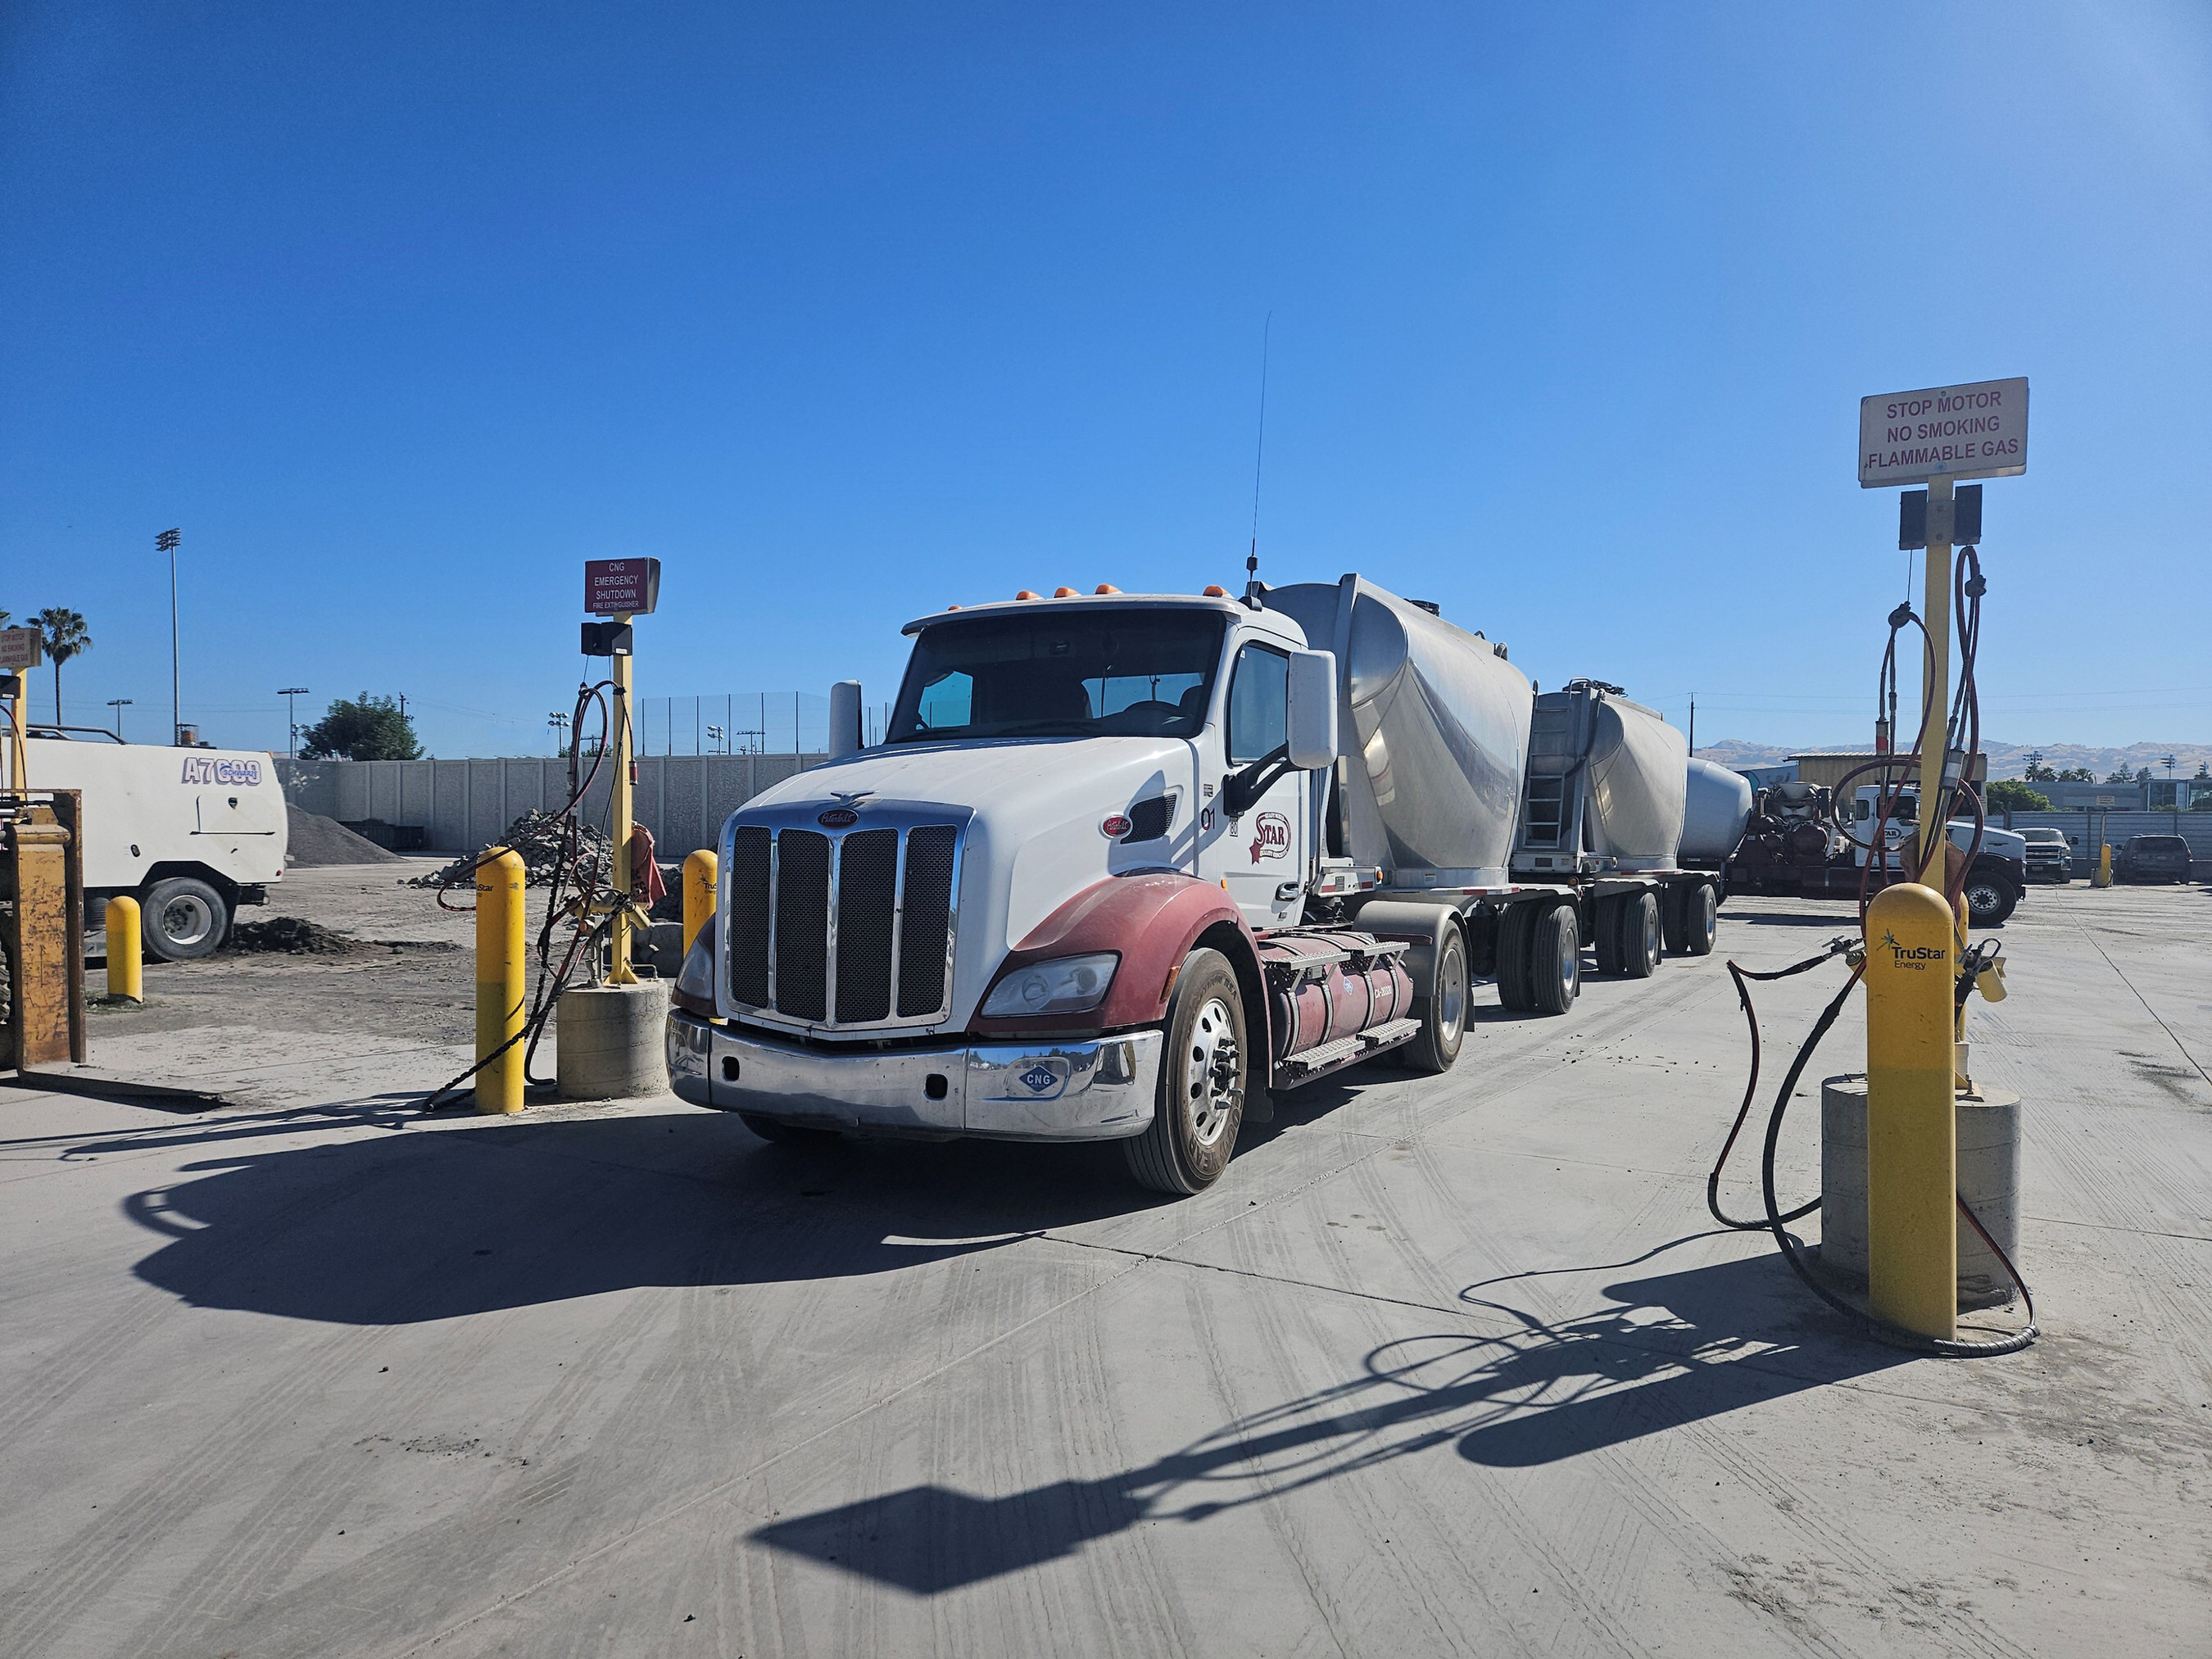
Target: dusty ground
1441	1366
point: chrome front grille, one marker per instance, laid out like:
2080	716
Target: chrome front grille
844	929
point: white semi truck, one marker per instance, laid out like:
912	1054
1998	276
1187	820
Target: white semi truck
190	832
1125	863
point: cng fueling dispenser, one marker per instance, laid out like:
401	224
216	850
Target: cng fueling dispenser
1905	1219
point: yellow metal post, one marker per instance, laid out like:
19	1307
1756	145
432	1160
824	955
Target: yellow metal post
1912	1243
701	872
500	993
620	804
2104	876
125	964
1936	612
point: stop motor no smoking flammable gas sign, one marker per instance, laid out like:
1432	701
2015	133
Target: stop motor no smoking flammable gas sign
1976	431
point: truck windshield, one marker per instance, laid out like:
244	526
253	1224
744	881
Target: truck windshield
1107	673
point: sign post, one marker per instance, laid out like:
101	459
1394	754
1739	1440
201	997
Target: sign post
621	590
1935	436
19	654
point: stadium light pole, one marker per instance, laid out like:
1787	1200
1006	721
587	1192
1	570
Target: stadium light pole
119	704
166	543
291	717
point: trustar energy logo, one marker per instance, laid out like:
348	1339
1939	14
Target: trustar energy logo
1915	957
1271	836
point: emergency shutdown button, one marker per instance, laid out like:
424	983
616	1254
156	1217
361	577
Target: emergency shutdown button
621	587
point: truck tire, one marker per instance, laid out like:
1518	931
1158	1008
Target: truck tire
1674	920
1205	1069
1605	931
1555	971
1513	945
1990	900
1640	935
1701	914
1440	1004
777	1132
181	919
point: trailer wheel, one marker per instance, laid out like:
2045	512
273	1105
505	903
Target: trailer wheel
1640	935
1442	1005
1513	945
181	919
1674	920
1701	908
1204	1067
1606	935
1555	971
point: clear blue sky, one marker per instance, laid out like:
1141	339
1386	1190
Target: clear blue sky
403	311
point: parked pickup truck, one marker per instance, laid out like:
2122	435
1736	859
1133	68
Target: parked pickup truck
1127	863
190	832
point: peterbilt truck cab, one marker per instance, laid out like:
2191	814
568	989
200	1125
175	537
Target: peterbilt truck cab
1124	863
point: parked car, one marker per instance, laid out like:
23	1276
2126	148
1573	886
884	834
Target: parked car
2049	856
2152	858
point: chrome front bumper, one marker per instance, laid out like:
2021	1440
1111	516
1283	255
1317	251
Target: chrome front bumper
1100	1090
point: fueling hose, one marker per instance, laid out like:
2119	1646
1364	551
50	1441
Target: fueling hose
593	886
1962	731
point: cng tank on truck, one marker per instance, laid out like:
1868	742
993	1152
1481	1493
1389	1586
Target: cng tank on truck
1607	780
1717	807
1436	728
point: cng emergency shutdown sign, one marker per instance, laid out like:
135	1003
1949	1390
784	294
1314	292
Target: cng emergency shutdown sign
1977	431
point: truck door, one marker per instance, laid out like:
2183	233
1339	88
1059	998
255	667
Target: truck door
1260	855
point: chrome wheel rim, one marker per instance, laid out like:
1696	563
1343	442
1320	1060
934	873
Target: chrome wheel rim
1981	901
1451	996
1212	1086
186	919
1571	964
1650	932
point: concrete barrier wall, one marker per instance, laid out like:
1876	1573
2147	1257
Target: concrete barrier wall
463	805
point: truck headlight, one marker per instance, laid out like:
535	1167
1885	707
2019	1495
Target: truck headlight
695	984
1066	986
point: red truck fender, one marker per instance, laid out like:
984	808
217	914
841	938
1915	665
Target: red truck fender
1152	921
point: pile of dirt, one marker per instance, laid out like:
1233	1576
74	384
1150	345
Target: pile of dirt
538	837
294	935
317	841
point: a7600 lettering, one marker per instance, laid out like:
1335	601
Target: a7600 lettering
199	770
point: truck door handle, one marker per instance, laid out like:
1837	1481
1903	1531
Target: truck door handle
1289	889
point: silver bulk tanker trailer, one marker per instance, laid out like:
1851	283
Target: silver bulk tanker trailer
1606	781
1714	815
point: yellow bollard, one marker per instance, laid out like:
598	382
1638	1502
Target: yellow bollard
701	871
1912	1242
500	960
2104	876
125	943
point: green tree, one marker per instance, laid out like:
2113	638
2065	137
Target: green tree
2011	795
2073	774
2038	770
362	728
2121	774
65	638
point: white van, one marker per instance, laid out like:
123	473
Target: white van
192	833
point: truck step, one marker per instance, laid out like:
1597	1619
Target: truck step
1328	1056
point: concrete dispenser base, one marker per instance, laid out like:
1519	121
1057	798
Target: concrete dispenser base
1988	1179
611	1041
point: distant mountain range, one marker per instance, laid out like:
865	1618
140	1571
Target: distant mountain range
2007	760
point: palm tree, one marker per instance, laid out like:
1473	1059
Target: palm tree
65	638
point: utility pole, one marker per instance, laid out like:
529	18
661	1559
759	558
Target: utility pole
291	717
559	722
119	704
166	543
1693	722
2172	799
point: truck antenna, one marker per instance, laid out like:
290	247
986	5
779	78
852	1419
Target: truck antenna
1253	589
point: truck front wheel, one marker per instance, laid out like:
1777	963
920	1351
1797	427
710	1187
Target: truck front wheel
1205	1068
182	918
1990	900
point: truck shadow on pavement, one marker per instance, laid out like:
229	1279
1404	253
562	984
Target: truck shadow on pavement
1663	1353
429	1224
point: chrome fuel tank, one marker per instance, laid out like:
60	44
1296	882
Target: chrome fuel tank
1435	727
1607	780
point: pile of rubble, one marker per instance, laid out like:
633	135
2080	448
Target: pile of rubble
538	837
294	935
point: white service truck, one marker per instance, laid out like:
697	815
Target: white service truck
190	832
1126	863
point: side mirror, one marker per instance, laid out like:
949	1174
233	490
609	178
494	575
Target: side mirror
844	719
1312	709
